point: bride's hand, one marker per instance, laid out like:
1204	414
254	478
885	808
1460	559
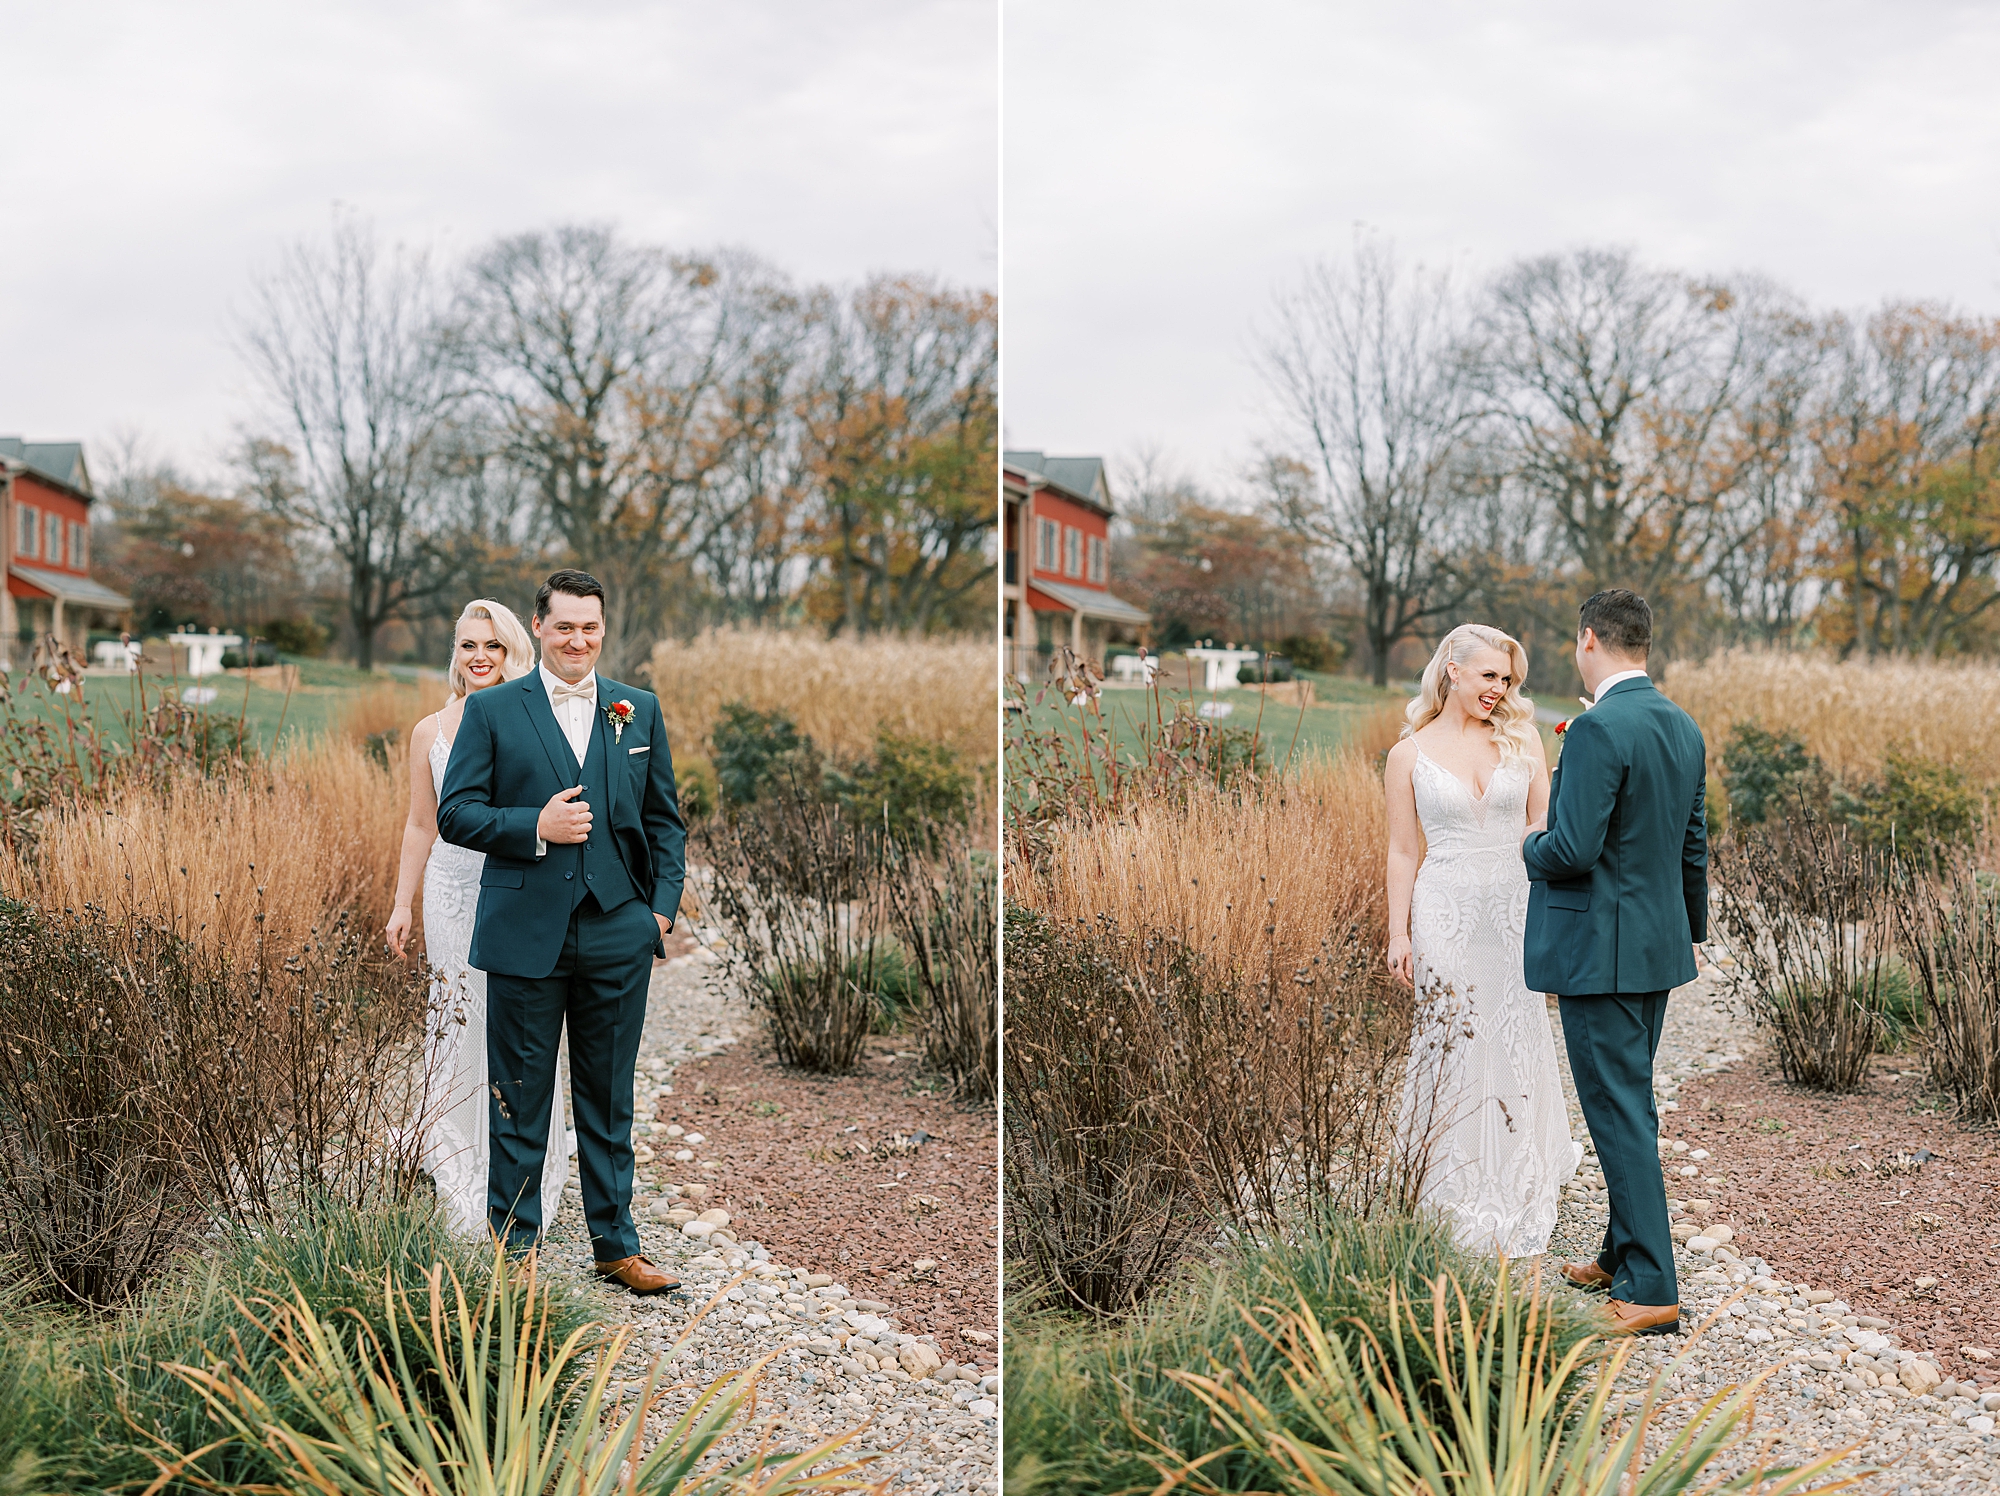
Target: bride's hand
1401	964
398	929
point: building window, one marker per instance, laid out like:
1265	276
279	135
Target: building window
1072	551
52	539
1097	559
79	546
27	530
1046	540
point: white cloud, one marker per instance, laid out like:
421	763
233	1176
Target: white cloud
152	157
1167	166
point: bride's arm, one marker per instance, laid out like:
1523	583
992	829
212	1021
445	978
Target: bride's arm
419	832
1538	791
1404	854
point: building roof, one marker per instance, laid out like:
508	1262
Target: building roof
60	462
1080	477
72	589
1091	602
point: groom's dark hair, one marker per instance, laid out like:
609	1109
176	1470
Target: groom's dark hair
575	583
1622	621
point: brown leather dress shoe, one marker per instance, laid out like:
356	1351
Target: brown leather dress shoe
1644	1319
1586	1275
637	1274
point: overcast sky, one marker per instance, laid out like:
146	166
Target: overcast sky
153	157
1168	166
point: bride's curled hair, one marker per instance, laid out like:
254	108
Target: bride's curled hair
1514	717
506	628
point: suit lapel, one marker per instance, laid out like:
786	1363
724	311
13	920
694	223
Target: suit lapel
536	700
600	737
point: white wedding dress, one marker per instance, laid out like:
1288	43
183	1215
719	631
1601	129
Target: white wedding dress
1482	1082
455	1143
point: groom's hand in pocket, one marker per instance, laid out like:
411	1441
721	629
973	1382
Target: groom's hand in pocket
565	820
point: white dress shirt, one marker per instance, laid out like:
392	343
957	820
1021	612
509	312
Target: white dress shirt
574	718
574	715
1611	680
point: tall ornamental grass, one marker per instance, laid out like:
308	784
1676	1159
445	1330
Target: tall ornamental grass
839	691
1850	714
1303	857
272	849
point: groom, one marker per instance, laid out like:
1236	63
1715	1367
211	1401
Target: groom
1618	901
563	779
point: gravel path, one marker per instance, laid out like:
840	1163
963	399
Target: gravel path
837	1362
1840	1378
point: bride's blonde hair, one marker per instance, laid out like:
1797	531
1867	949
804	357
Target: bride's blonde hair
506	628
1514	717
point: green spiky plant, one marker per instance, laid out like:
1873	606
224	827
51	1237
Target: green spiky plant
1478	1402
554	1421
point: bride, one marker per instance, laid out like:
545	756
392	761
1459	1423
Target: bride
489	646
1471	775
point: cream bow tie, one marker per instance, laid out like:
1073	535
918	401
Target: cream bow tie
586	691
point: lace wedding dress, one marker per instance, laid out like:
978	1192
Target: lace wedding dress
1482	1081
454	1152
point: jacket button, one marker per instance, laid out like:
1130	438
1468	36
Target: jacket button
567	876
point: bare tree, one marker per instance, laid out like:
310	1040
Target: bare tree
1614	384
1365	359
1765	566
602	362
342	340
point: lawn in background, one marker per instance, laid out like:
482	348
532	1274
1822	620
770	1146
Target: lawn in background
326	691
1342	704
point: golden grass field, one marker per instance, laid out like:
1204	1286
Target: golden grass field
1851	713
837	690
1307	857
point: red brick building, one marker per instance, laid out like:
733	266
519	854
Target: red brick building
1056	588
45	500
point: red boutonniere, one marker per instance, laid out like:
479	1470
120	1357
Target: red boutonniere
1562	727
619	713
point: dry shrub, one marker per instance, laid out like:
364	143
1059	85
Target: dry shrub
316	831
148	1085
803	892
839	691
1951	932
946	912
1305	856
1151	1088
1807	910
1849	713
1198	1022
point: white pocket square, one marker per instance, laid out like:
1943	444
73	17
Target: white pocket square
642	748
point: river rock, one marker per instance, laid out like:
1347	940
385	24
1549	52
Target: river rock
1919	1375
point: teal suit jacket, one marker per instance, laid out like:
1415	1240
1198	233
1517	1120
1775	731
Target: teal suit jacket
1619	882
508	760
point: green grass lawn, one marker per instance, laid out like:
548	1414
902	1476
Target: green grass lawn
1342	704
325	689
